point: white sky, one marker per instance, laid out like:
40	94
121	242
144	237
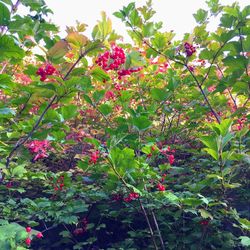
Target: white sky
175	14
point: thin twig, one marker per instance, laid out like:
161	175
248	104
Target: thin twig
23	140
149	225
158	230
204	95
104	116
4	67
141	205
25	105
212	62
229	91
185	64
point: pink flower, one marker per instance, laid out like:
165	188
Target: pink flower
39	148
109	95
22	79
189	49
160	187
39	235
34	110
149	155
132	196
211	88
28	241
171	159
94	157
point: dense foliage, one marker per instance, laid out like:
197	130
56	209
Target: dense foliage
113	145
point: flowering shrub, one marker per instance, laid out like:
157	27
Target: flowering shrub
111	145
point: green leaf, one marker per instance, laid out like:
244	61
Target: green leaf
206	54
19	171
80	83
87	99
135	18
225	126
246	11
8	49
148	29
227	138
159	41
119	15
159	94
4	15
227	21
6	82
172	198
245	223
134	59
236	63
123	160
213	5
212	152
245	241
69	111
233	11
141	123
205	214
240	88
58	50
106	109
9	2
192	202
210	142
200	16
103	28
100	75
129	8
52	115
98	95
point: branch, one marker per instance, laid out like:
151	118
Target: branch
158	230
150	46
149	225
204	95
23	140
4	67
212	62
141	205
104	116
184	64
79	59
15	6
25	105
229	91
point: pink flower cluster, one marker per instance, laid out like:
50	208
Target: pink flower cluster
160	187
189	49
241	122
81	230
125	72
94	157
47	71
39	148
39	235
111	60
132	196
168	152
